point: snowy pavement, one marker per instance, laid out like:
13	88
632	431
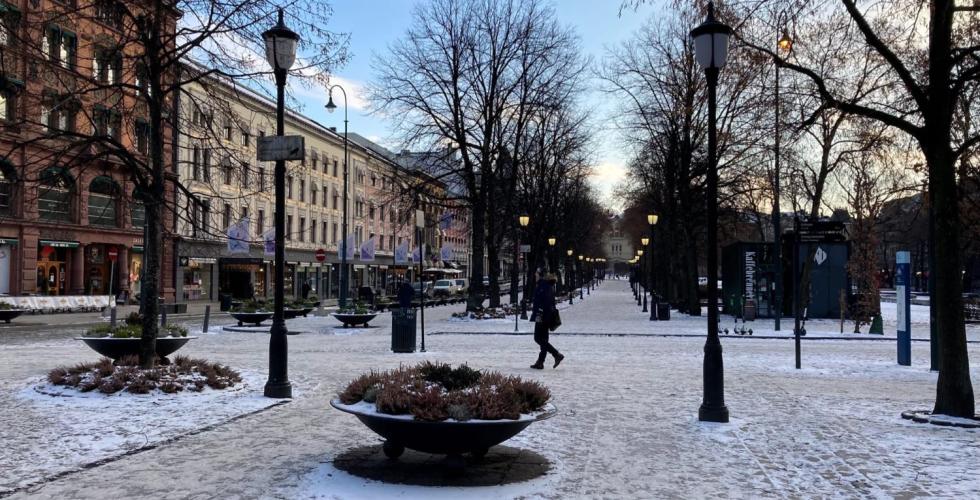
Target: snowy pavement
627	424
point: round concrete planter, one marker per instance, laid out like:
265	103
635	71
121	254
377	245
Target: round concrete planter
118	348
354	319
8	314
448	437
252	318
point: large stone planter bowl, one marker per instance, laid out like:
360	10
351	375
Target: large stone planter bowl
354	319
253	318
8	314
118	348
449	437
288	313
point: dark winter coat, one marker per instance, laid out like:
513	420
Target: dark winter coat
405	295
543	303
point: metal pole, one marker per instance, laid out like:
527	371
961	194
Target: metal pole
343	258
653	280
207	316
713	407
421	289
796	288
278	386
777	223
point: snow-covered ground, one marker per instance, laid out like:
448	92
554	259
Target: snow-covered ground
627	424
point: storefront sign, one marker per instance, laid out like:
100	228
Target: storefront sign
184	261
8	241
750	275
58	244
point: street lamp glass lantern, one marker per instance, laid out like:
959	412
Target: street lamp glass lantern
711	41
652	219
331	107
570	252
524	220
785	43
280	45
552	241
645	241
639	252
580	257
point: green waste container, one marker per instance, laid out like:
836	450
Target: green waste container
403	330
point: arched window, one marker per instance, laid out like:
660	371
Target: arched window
56	195
103	196
137	210
8	179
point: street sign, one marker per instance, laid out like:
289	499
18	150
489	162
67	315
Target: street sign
281	147
113	254
320	254
419	219
184	261
525	248
820	231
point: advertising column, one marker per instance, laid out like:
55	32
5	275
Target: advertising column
902	297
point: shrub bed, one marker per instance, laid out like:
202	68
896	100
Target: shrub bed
126	375
435	392
488	313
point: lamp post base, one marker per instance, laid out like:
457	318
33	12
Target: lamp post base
713	407
713	413
645	303
279	390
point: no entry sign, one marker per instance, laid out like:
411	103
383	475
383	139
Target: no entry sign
113	254
320	254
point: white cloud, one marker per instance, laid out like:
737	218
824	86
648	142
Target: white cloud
356	93
605	177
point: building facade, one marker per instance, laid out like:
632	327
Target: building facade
618	247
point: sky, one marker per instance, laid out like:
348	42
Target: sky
374	24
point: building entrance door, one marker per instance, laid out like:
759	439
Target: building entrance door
50	277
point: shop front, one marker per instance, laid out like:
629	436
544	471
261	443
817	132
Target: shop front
7	263
135	269
100	270
54	262
238	276
198	278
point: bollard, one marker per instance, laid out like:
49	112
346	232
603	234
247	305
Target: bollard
163	317
207	316
112	316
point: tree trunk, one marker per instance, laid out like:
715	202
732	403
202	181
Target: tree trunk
477	236
954	390
493	258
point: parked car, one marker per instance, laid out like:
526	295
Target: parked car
444	288
428	289
461	285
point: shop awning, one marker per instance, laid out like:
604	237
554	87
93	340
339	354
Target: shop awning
138	248
8	241
58	244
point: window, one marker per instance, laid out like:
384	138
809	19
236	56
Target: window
9	20
137	213
333	234
335	168
391	241
302	190
227	173
381	213
336	197
323	232
371	212
142	136
226	216
324	195
206	216
246	138
207	165
260	223
302	229
313	160
8	180
313	194
374	180
142	82
103	194
109	12
58	113
107	65
381	242
261	178
196	163
59	46
289	227
56	193
8	105
244	213
289	187
313	231
228	129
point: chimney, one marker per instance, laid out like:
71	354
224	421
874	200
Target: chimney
333	129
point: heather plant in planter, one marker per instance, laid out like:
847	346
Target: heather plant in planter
124	375
437	408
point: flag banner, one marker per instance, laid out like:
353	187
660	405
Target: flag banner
350	249
446	220
367	250
238	237
401	253
269	240
417	255
446	254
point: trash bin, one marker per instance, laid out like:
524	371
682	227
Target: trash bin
403	330
225	299
749	311
663	311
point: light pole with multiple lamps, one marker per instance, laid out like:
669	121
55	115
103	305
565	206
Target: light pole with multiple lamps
581	278
331	107
552	241
641	281
524	220
280	51
711	52
785	44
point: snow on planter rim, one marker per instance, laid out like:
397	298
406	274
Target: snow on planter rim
369	409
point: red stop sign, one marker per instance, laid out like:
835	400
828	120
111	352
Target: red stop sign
320	254
113	254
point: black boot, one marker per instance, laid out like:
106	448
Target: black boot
558	360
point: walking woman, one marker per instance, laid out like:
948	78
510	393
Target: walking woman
543	315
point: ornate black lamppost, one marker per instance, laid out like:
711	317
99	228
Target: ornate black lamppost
652	221
524	220
570	276
581	279
343	253
280	52
784	44
711	52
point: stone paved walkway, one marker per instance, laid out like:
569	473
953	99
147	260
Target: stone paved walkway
627	424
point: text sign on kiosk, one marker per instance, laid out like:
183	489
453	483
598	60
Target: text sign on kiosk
285	147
